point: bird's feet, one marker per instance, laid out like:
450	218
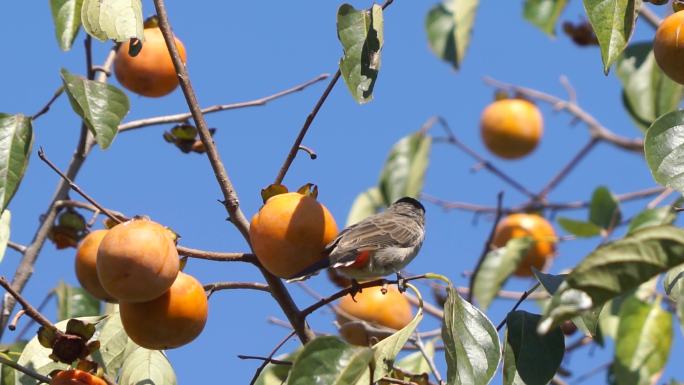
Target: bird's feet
401	282
355	289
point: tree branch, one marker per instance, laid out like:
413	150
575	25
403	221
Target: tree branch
595	128
211	288
177	118
231	202
25	268
25	370
482	162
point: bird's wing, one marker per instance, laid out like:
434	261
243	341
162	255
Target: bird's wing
374	233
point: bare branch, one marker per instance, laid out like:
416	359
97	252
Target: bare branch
211	288
595	128
25	268
270	357
31	373
178	118
231	202
651	17
16	246
47	105
520	301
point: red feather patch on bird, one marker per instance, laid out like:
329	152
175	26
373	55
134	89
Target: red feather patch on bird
361	260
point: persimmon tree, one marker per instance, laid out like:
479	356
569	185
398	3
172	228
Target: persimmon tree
612	293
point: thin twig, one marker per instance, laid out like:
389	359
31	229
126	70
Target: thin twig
595	128
453	140
216	256
429	359
25	370
211	288
660	198
651	17
75	187
231	202
487	245
13	325
28	308
25	269
16	246
302	132
309	120
47	105
40	308
267	359
515	307
352	289
177	118
270	357
565	171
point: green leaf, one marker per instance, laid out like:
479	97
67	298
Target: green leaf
16	140
385	351
613	22
329	361
643	342
66	14
113	342
673	282
415	363
604	210
544	14
588	323
609	319
5	219
496	267
471	342
615	268
577	228
651	217
535	358
366	204
119	20
74	302
360	32
664	151
36	356
144	366
405	167
550	282
647	92
449	26
102	106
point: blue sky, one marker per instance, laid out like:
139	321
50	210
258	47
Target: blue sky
244	50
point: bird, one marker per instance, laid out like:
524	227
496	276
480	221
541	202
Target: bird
379	245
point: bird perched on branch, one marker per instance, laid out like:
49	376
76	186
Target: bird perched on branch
377	246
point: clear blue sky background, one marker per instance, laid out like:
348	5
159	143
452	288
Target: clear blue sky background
244	50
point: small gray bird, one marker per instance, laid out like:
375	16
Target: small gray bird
379	245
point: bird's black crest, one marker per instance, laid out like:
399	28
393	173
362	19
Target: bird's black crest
412	202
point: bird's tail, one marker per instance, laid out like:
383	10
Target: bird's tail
311	270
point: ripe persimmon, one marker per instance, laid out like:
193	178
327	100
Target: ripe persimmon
289	233
76	377
668	46
86	265
390	309
150	73
528	225
172	320
511	128
137	260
